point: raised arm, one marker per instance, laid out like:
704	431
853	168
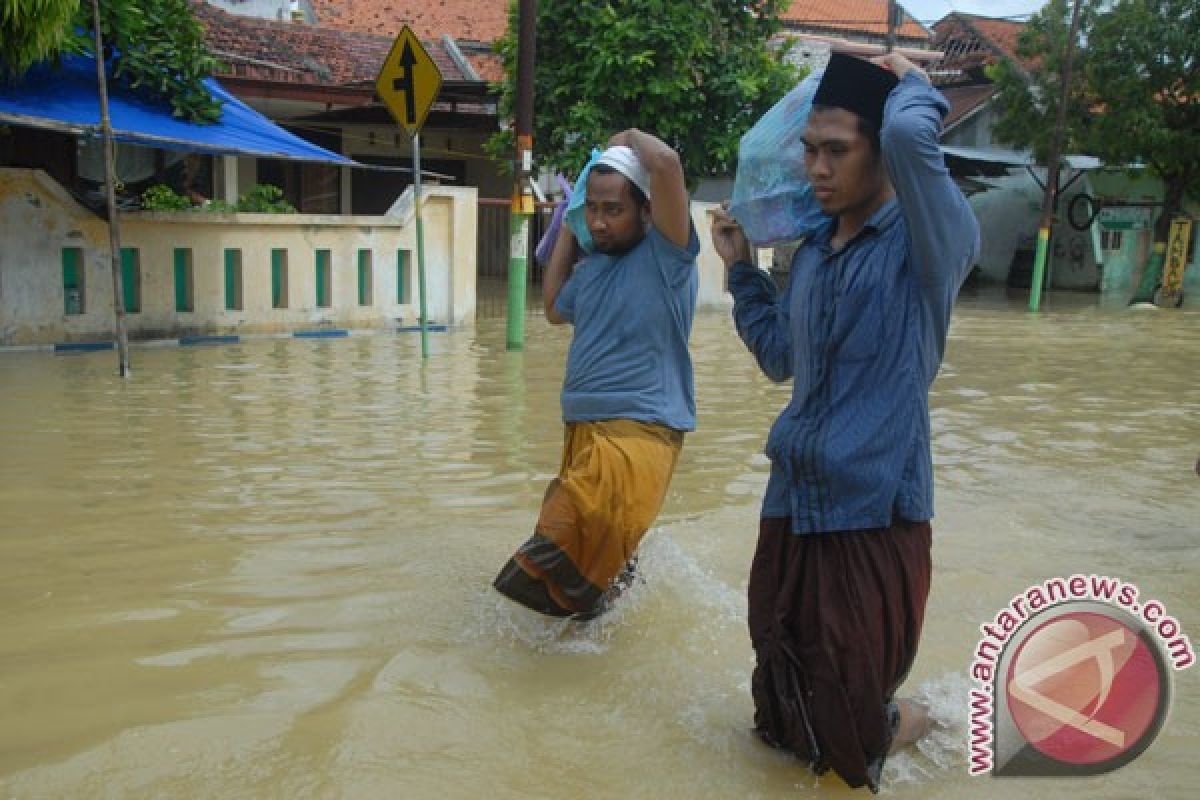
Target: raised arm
669	204
943	228
558	271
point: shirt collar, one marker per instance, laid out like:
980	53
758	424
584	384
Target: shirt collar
884	217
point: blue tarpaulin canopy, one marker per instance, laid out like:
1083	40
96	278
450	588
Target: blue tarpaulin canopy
66	99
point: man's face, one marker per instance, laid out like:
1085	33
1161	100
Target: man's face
847	175
614	218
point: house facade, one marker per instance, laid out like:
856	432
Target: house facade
1106	255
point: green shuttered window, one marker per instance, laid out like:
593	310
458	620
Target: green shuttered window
402	288
364	278
185	292
131	280
324	279
279	281
72	278
233	279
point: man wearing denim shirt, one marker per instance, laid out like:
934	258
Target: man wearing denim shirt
842	568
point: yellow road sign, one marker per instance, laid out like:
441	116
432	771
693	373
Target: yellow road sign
409	81
1176	258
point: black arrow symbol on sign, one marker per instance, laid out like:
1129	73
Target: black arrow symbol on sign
405	83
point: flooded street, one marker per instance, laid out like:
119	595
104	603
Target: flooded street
263	570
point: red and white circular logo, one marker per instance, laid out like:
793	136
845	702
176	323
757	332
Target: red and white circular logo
1087	690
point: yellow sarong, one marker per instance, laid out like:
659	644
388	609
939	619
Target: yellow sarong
610	487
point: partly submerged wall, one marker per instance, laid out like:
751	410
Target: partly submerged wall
218	273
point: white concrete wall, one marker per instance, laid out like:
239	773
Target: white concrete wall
38	219
712	294
1008	218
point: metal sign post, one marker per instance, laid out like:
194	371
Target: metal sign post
408	84
416	149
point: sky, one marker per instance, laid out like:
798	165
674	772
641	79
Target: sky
930	11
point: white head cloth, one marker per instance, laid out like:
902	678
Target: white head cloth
625	161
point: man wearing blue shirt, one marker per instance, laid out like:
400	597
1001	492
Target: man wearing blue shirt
842	568
627	396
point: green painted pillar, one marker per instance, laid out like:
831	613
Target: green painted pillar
1039	269
517	276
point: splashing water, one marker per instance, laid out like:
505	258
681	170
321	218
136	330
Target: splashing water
943	748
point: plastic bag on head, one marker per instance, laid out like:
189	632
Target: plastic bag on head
772	197
576	217
545	246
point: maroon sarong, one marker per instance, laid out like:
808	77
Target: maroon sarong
835	619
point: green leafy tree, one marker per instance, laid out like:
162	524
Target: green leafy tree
33	31
154	46
1028	99
1134	95
1144	72
696	74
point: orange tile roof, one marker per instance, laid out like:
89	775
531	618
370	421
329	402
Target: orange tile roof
1001	32
963	100
852	16
488	66
474	20
293	52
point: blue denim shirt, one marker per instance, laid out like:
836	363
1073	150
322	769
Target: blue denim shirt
861	332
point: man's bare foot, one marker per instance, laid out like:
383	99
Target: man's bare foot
914	723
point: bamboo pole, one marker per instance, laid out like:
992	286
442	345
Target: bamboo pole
110	193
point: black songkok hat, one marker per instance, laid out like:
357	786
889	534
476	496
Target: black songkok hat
855	85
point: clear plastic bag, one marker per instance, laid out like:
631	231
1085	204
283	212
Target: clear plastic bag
772	197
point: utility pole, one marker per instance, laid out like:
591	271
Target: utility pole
891	25
522	198
1050	197
110	192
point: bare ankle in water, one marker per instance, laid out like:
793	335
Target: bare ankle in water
914	723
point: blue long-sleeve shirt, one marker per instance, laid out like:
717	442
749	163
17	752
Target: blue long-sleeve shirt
861	332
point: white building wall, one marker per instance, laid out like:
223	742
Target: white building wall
38	219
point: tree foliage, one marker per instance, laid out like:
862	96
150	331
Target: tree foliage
1135	91
1028	100
695	74
1144	71
33	31
154	46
